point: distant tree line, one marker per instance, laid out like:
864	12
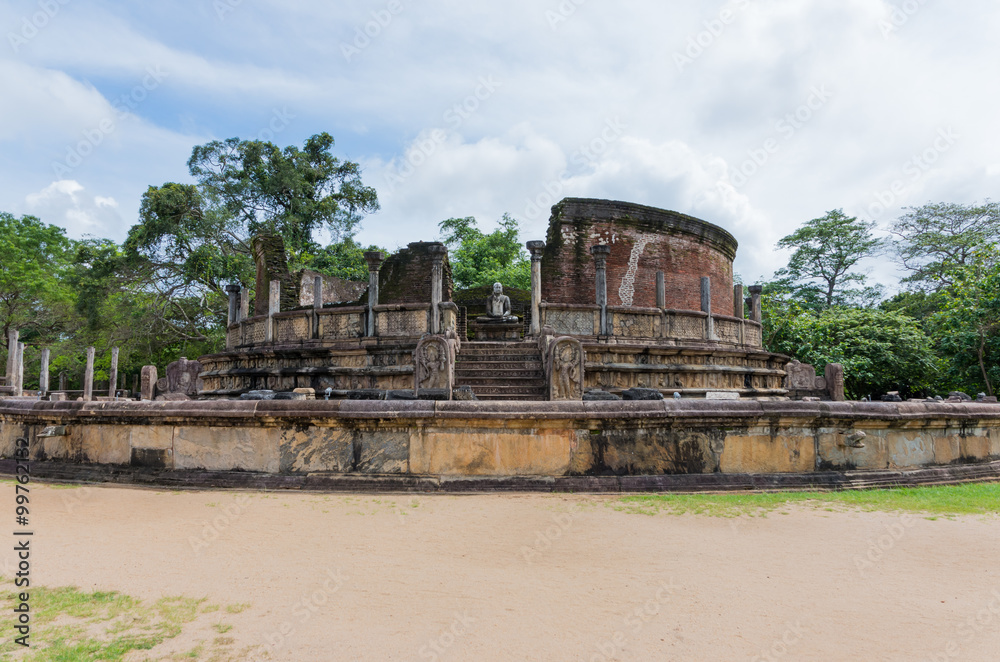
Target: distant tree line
160	294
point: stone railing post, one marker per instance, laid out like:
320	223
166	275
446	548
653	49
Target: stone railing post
601	253
374	260
661	290
536	248
437	254
43	373
317	304
19	370
11	373
755	311
706	307
88	376
113	374
273	307
244	303
233	290
738	304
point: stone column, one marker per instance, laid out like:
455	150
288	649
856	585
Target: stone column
661	290
536	248
19	370
755	312
437	254
43	373
317	293
374	260
12	337
113	374
273	306
706	307
147	390
244	303
233	290
88	376
62	381
738	310
601	253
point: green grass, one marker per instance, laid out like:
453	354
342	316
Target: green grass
967	499
76	626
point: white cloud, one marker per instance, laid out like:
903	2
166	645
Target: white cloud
66	203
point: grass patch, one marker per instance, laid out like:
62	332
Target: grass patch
238	608
73	625
966	499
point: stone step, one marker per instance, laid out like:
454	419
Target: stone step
500	366
487	356
509	392
500	376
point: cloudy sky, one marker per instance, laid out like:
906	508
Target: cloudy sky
755	115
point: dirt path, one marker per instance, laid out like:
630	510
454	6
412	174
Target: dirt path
534	577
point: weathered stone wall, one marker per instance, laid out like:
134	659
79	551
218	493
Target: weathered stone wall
405	276
643	240
508	439
272	264
335	290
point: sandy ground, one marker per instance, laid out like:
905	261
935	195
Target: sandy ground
529	577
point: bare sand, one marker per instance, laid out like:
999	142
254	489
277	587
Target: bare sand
528	577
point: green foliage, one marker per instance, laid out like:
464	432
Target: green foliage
345	259
881	351
826	249
967	327
483	259
937	239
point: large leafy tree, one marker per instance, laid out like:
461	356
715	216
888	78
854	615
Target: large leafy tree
826	251
34	295
936	241
967	327
480	259
881	351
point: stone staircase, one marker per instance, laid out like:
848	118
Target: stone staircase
501	370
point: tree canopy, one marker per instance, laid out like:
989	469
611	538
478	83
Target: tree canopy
479	259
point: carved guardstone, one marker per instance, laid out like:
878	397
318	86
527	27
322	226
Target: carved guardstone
433	365
182	377
565	369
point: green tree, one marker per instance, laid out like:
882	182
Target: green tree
937	240
34	295
826	249
967	327
480	259
880	351
345	259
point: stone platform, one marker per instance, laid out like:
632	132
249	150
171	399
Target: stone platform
485	329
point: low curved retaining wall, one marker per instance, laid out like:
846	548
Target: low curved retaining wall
505	439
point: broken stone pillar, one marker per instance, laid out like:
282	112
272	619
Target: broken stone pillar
113	374
19	370
43	373
601	253
272	264
62	381
374	260
738	310
147	387
437	253
233	290
706	307
755	311
317	293
661	290
835	381
536	248
244	303
88	376
273	307
12	337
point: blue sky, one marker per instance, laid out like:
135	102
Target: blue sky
755	115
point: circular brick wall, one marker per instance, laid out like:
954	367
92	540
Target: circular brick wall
643	240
